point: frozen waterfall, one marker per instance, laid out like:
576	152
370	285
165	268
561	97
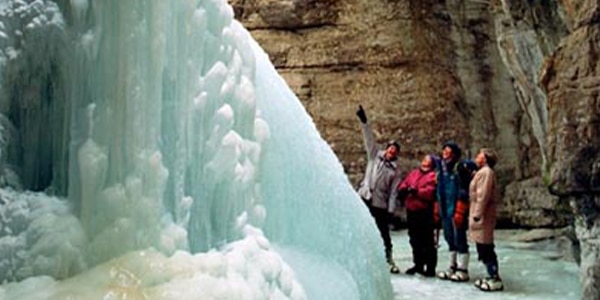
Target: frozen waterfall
149	150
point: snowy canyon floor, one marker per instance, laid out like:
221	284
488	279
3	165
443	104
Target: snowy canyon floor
533	265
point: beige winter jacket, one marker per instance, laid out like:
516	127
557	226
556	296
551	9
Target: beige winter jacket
483	195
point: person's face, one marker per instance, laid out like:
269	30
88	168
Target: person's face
426	163
447	153
391	152
480	160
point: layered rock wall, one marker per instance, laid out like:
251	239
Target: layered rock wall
365	53
571	78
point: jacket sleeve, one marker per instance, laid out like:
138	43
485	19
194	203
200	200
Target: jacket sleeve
463	195
426	189
484	186
369	140
463	192
436	171
464	179
394	192
404	183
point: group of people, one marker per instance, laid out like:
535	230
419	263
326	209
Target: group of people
458	196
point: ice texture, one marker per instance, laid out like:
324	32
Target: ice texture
149	147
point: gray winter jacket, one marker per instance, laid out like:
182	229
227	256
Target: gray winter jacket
381	176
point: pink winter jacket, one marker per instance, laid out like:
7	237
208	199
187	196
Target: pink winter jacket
424	184
483	196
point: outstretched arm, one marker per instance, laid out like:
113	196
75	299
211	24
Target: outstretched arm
368	136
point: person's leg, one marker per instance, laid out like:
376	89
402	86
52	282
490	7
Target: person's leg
431	262
492	265
381	220
461	243
415	239
429	250
448	229
488	257
462	247
412	224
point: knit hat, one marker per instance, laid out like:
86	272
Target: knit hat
393	143
456	151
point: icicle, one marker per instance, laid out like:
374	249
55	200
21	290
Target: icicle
79	8
93	164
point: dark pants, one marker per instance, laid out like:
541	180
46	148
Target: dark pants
455	237
421	238
487	255
382	220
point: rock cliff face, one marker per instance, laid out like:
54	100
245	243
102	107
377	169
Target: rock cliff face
426	71
571	80
519	76
527	32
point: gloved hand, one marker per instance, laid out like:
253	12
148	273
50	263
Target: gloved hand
436	215
401	194
411	190
361	114
460	213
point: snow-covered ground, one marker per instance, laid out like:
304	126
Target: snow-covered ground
530	270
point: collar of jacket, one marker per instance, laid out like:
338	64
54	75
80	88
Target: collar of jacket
392	163
426	171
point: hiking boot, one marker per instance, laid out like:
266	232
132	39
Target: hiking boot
462	268
429	273
446	274
414	269
490	284
460	275
394	269
479	281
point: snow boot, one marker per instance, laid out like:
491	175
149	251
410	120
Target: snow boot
394	269
418	263
390	260
447	273
415	269
430	263
479	281
462	269
491	284
493	281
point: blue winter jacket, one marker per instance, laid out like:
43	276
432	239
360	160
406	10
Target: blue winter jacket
452	184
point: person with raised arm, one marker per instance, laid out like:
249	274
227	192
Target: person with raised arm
378	186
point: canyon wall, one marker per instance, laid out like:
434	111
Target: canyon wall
571	79
426	72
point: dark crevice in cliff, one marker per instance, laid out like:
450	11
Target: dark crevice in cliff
294	29
339	66
239	9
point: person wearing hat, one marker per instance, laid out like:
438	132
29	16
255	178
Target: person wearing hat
377	189
452	209
484	197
